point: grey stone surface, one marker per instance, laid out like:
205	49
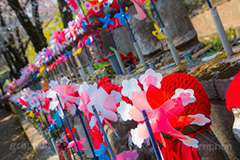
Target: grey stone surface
222	86
81	134
222	121
210	88
123	39
175	18
142	30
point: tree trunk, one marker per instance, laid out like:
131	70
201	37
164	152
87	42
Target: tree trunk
31	30
36	18
66	13
12	72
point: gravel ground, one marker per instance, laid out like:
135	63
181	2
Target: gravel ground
14	143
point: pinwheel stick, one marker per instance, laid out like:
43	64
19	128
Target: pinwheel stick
220	29
170	42
67	137
103	132
154	143
85	130
79	153
115	46
209	4
48	124
136	46
80	6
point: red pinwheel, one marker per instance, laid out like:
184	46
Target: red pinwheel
59	37
69	135
22	102
73	4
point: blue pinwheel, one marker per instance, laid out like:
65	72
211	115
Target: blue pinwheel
51	128
106	20
88	42
83	24
67	54
121	17
101	153
57	119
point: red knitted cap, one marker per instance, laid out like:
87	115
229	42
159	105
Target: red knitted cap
182	80
233	93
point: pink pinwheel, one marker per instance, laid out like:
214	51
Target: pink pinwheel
127	155
73	4
105	105
79	144
67	95
61	59
163	113
59	37
71	32
141	15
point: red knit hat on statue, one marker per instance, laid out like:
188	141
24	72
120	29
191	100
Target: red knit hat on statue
175	149
182	80
233	93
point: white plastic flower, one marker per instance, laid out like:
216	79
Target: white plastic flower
130	86
151	77
117	96
135	139
65	79
187	95
53	83
123	110
191	142
199	120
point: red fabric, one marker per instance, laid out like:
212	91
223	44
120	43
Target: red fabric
182	80
175	149
95	132
233	93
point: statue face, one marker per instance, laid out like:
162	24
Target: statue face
236	124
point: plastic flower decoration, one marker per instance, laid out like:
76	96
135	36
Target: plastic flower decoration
59	37
69	135
127	155
72	4
84	99
158	33
67	54
106	20
121	17
104	103
101	153
141	15
51	128
57	119
87	5
79	144
71	31
67	95
78	51
163	113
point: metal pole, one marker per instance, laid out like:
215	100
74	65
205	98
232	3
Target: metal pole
115	46
170	42
79	153
135	44
86	133
154	143
221	31
103	132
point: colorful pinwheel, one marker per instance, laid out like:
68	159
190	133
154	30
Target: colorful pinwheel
158	33
106	20
121	17
79	144
101	152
